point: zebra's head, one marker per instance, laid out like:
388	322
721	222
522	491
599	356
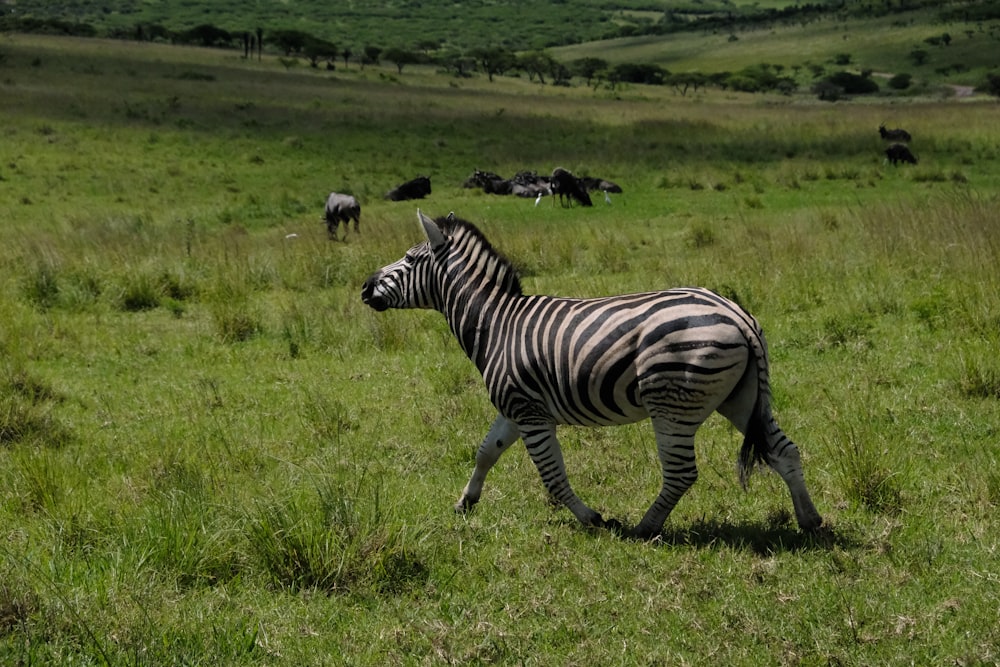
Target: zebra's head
408	282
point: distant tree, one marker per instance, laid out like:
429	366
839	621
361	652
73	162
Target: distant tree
400	57
641	73
346	53
206	35
260	43
588	68
319	49
428	45
372	54
720	79
559	72
946	39
536	64
919	56
685	81
493	60
456	62
842	59
290	41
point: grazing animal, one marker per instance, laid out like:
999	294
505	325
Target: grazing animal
899	153
675	357
418	188
568	187
341	209
894	135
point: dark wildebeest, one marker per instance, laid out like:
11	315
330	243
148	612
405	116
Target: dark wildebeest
568	187
592	183
893	135
491	184
418	188
529	184
341	209
899	153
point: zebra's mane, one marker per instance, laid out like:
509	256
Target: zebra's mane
466	234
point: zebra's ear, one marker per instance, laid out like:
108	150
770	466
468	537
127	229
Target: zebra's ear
434	233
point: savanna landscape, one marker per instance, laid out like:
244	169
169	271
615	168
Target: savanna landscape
213	453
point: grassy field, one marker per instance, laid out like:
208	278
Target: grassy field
211	452
880	44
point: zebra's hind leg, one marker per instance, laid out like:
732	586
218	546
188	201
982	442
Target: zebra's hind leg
502	434
784	457
546	454
676	451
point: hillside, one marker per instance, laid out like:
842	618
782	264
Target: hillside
515	24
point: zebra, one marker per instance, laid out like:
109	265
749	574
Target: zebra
673	356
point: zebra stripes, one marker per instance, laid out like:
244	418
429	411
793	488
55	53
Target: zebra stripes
674	357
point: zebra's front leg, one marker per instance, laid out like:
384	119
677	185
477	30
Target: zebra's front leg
546	454
503	433
676	452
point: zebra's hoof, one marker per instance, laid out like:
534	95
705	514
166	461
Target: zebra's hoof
464	505
614	525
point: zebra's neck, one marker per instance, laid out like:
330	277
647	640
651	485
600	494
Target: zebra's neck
476	282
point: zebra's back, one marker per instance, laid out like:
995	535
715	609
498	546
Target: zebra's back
616	360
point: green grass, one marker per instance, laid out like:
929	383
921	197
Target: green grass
211	452
881	44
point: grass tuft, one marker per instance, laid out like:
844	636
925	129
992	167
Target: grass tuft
870	476
332	542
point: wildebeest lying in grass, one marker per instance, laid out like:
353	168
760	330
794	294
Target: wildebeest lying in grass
893	135
530	184
899	153
341	208
418	188
600	184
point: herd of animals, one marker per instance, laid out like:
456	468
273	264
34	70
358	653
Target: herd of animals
344	208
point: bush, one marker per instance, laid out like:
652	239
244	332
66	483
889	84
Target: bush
848	84
992	85
900	81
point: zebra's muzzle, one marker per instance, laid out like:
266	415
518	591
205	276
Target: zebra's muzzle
368	295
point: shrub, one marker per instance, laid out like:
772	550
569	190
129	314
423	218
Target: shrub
992	84
900	81
853	84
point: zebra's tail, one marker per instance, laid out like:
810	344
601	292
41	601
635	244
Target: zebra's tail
754	449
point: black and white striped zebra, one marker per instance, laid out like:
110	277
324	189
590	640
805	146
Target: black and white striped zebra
674	356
